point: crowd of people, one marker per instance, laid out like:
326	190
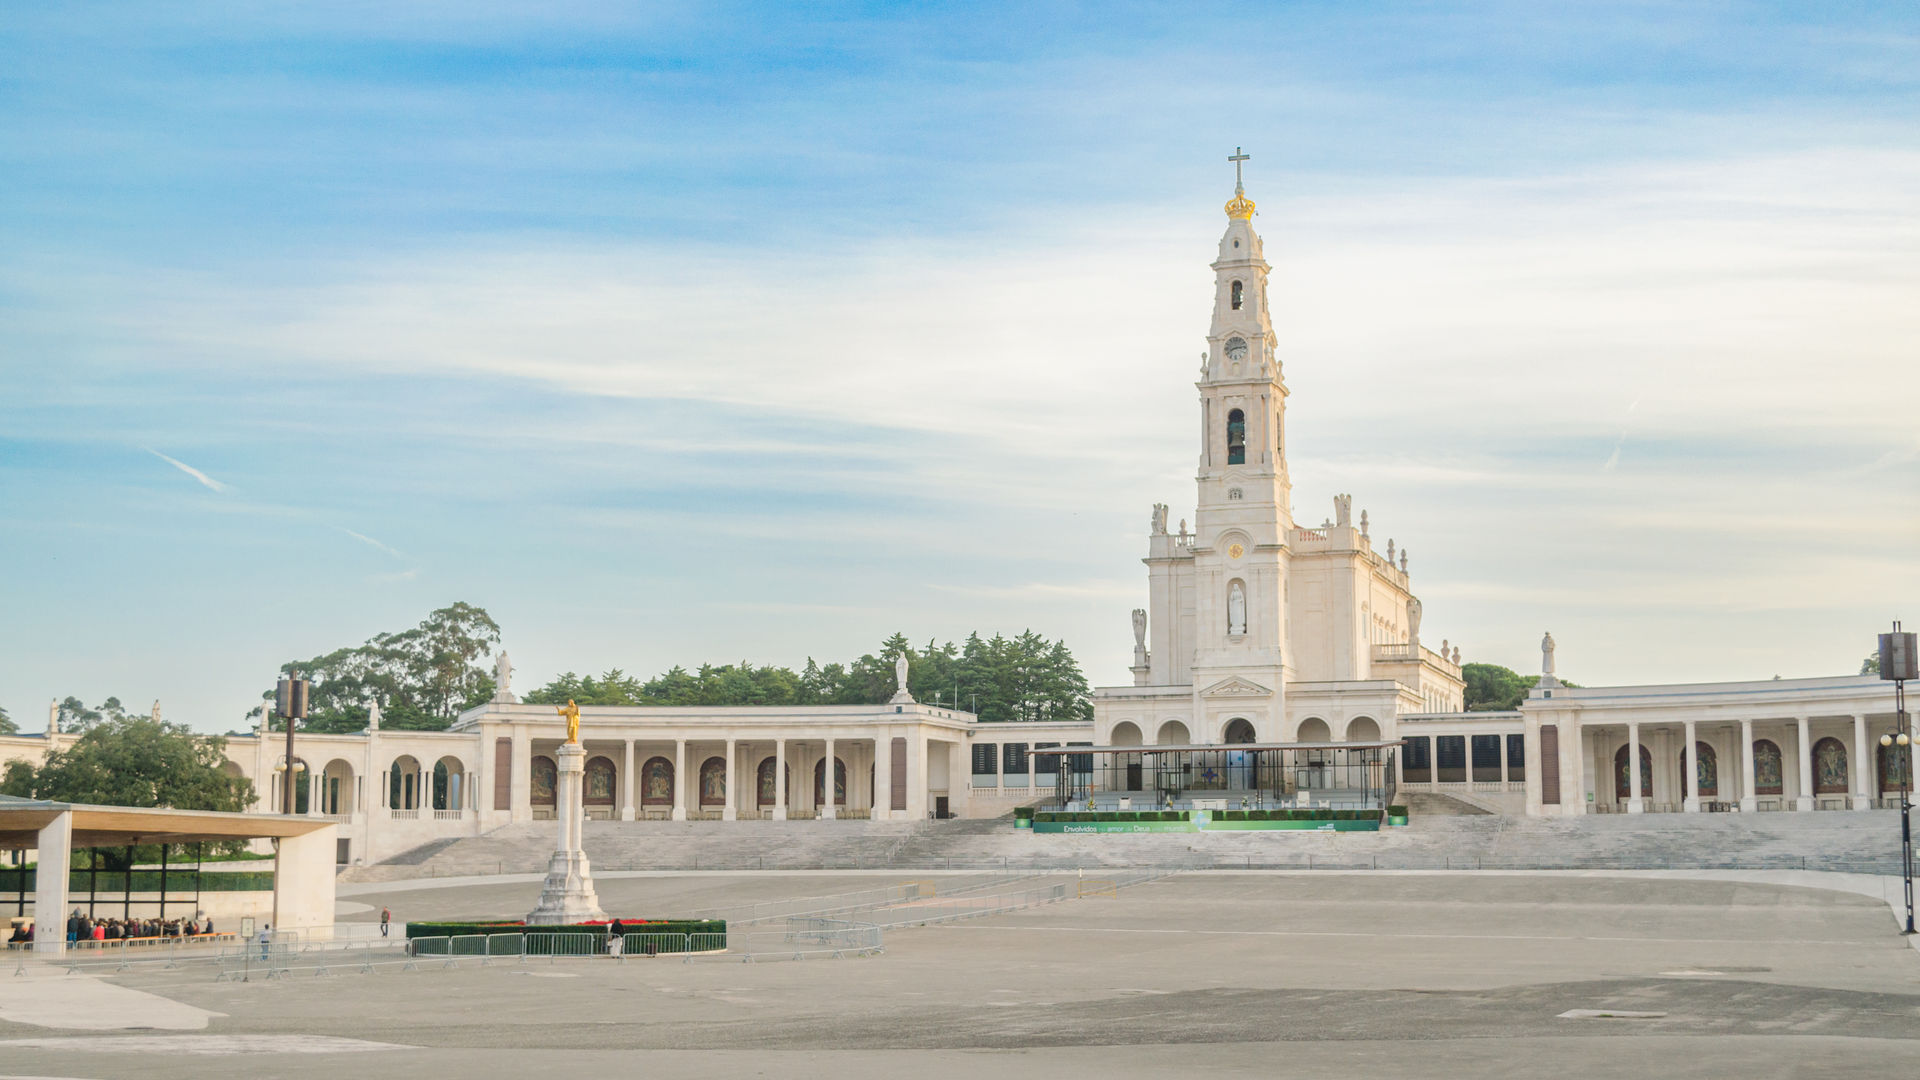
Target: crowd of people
82	927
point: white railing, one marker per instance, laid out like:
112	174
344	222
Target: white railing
404	815
447	815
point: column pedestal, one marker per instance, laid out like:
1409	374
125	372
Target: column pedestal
567	896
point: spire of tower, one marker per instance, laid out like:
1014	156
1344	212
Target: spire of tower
1239	207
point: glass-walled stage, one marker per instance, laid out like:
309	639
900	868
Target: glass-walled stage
1236	776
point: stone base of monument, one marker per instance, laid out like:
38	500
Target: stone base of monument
567	895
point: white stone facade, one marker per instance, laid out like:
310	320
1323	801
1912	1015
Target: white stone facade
1257	629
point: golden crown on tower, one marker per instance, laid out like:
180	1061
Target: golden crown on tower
1240	208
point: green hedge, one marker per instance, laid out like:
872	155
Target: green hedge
1396	811
632	926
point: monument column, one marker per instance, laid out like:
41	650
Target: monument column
1634	780
779	780
1805	801
679	779
1692	779
626	788
826	784
1862	765
727	812
567	896
1749	802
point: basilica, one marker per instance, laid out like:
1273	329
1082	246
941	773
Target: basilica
1292	655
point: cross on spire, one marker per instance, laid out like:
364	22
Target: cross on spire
1238	157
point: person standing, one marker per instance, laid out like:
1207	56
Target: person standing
386	918
616	939
266	941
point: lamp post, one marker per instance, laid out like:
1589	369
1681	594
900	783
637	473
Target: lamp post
290	704
1898	663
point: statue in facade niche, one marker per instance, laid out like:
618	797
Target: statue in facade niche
1139	628
1236	609
1343	511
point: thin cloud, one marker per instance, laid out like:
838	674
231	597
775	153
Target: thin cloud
370	541
206	481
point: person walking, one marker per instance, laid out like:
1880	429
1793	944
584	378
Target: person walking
386	919
616	939
266	941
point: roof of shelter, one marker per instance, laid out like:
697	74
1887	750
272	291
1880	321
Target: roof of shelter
1376	745
115	826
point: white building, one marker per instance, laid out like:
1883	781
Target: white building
1257	630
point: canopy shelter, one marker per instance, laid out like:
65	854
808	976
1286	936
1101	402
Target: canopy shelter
303	885
1343	775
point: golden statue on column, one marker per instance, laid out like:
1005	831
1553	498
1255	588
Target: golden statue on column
572	713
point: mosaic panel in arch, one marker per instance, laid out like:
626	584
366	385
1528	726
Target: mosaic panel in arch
1706	772
600	779
656	781
545	774
1829	767
1766	768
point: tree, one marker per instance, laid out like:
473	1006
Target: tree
422	678
1492	688
134	761
7	726
1002	679
1871	665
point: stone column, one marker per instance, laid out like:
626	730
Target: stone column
55	850
826	775
1634	779
680	780
1749	802
882	778
733	794
567	895
1691	763
779	780
916	777
1862	778
1033	794
1805	801
626	788
522	783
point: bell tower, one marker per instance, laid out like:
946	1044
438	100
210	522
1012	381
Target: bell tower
1242	518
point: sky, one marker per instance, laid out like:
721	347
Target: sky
715	332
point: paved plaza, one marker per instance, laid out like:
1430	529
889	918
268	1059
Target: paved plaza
1219	973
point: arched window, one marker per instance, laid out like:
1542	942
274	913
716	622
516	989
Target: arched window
1239	730
1236	438
1237	296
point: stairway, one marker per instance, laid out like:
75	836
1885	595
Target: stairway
1863	841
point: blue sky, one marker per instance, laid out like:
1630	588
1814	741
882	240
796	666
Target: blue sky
718	332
